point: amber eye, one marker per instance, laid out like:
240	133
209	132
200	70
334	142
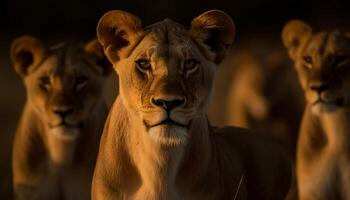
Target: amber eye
80	82
191	65
143	65
307	62
45	82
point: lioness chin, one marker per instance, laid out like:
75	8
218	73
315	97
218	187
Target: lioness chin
322	60
56	141
157	142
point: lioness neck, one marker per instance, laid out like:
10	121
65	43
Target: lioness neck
336	126
330	130
162	168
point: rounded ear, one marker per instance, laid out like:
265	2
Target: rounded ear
26	52
216	30
118	31
94	51
295	33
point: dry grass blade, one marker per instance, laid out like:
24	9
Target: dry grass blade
238	187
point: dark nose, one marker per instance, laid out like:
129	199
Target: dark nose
62	111
319	87
168	104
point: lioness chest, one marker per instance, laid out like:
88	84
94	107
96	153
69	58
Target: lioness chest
237	192
327	177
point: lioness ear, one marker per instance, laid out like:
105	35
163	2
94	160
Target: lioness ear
95	52
118	31
216	30
26	52
295	33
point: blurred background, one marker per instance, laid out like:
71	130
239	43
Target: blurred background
259	23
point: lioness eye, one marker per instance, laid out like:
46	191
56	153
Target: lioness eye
191	64
45	82
143	65
80	82
307	62
307	59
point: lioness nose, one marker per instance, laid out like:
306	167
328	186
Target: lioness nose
168	104
319	87
62	111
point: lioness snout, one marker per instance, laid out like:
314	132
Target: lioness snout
168	104
62	111
319	87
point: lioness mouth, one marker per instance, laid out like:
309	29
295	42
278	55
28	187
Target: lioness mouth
69	126
65	132
337	102
169	122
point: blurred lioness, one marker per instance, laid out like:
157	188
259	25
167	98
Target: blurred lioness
322	60
258	88
57	137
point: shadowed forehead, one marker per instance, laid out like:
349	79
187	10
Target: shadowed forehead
168	31
60	59
329	42
63	59
338	41
166	38
318	42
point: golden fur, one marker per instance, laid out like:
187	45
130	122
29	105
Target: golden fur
57	138
157	142
322	62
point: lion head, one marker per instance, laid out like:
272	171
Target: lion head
165	70
63	82
322	62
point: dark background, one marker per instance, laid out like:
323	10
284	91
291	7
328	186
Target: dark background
62	19
53	17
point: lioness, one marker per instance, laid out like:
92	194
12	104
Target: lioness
57	138
322	61
157	142
256	97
